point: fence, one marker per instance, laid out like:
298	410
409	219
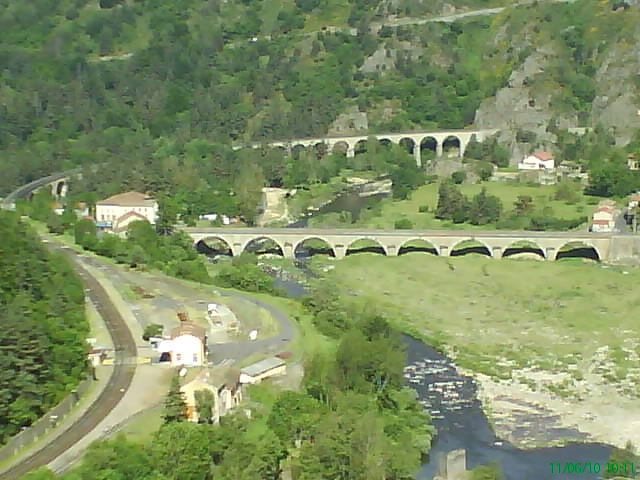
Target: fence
45	423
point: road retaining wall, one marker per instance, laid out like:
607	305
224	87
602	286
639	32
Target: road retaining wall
46	423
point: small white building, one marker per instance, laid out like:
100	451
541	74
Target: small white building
603	219
186	347
537	161
269	367
113	209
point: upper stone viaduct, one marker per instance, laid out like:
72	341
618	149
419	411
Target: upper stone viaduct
497	244
415	142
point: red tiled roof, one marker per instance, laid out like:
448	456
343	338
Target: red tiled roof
605	208
189	328
124	217
543	156
129	199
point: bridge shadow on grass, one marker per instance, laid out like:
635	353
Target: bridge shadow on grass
417	246
468	247
365	245
520	249
578	250
584	253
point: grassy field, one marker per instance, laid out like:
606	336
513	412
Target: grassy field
499	316
427	196
142	427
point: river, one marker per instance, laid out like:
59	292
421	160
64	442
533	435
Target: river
452	400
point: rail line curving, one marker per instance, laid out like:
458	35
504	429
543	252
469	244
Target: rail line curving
117	385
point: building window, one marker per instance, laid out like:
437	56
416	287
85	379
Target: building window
178	357
195	358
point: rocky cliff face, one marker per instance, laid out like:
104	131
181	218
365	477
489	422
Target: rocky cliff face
529	100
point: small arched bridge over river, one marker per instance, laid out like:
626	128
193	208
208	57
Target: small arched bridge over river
498	244
415	142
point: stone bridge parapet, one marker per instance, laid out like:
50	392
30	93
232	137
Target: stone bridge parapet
414	141
496	243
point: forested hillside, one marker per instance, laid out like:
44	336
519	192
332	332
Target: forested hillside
139	83
42	327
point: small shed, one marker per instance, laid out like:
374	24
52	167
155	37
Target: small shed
269	367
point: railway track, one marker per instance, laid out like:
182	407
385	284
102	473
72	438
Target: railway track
117	386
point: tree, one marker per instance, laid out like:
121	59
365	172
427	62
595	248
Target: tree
69	217
182	451
54	224
485	209
85	233
459	176
524	205
205	403
152	330
248	190
403	224
117	458
487	472
293	417
265	462
452	204
612	179
167	215
41	474
175	405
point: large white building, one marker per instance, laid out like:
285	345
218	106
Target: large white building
537	161
118	211
186	347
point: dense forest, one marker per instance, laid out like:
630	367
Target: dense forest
154	94
43	328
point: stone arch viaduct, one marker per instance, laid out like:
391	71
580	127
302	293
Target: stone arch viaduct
496	243
415	142
58	184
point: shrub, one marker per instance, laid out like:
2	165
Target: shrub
403	224
459	176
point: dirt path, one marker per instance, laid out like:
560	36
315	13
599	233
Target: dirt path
275	206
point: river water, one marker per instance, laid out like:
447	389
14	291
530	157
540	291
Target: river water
452	400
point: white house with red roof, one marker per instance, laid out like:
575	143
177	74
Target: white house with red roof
604	217
538	161
118	211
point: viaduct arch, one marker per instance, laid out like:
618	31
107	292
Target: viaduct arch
415	143
340	243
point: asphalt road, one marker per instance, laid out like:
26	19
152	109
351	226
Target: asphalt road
117	386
